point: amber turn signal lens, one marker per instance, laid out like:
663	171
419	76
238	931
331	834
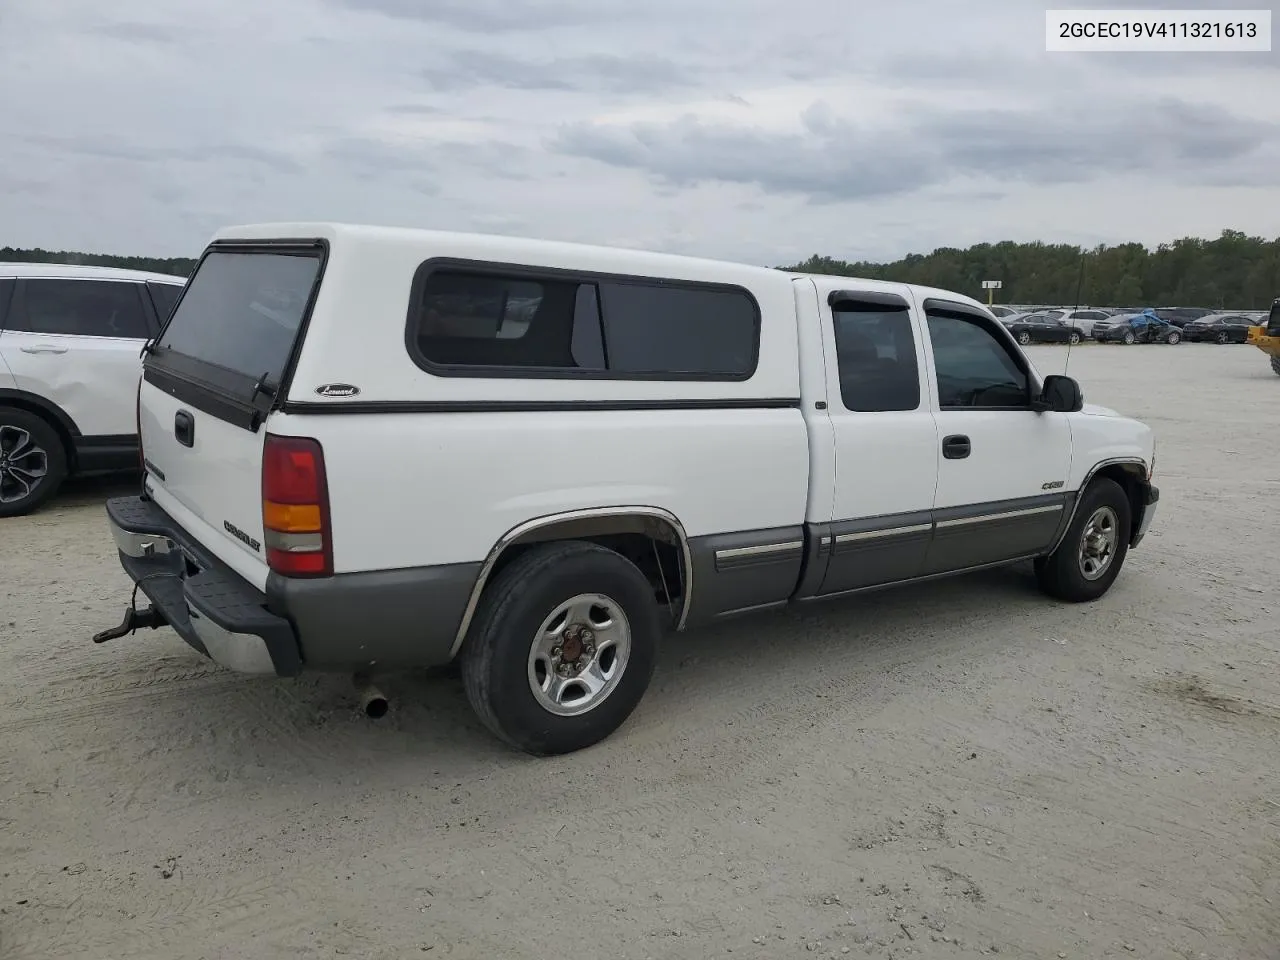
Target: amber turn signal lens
291	517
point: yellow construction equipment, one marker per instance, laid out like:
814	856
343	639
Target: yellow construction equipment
1267	338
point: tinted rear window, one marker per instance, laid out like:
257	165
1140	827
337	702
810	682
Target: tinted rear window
560	324
242	310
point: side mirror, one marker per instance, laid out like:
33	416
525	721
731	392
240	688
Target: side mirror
1060	394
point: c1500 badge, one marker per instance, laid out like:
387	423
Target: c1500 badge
337	390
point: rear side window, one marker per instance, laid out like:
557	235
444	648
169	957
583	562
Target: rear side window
242	310
469	321
876	355
80	308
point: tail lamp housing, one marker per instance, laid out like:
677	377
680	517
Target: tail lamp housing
295	507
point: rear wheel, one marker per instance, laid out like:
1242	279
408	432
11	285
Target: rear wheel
33	461
1223	337
562	648
1088	559
1073	339
1275	365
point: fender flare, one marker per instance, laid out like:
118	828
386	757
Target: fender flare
513	535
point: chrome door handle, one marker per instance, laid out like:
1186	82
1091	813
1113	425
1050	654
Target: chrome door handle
43	348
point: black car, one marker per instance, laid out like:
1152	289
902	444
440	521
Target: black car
1181	316
1219	328
1136	328
1044	328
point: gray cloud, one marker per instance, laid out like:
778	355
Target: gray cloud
594	73
114	147
133	32
722	127
833	159
487	16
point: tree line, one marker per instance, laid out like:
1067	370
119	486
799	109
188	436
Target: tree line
1233	272
178	266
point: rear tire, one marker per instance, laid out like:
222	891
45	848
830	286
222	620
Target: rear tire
510	669
1090	556
1073	339
33	461
1223	337
1275	366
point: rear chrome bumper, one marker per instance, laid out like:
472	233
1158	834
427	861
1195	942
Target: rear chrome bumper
215	610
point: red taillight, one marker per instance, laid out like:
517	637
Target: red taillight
295	507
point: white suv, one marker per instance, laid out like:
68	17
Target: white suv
370	448
70	342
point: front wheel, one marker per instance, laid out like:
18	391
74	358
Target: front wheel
1129	338
1024	338
1275	366
1088	559
1173	337
563	647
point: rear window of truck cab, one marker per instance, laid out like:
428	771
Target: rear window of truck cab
473	320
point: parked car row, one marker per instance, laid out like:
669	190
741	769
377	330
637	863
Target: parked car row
1107	325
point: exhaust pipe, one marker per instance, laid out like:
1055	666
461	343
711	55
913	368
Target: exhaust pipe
372	700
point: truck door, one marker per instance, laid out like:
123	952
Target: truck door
885	437
1004	465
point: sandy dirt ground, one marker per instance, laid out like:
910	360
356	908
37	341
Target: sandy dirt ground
952	771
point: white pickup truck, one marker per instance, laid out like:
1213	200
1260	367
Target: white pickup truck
369	448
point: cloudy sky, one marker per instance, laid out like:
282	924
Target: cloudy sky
730	128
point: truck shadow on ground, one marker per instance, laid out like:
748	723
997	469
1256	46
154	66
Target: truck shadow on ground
312	727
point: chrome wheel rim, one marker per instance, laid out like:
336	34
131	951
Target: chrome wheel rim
1098	543
1175	337
23	464
1074	338
1024	337
1129	338
579	655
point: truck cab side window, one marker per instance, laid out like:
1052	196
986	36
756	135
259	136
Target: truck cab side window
876	356
974	368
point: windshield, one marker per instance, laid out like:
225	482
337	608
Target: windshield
242	310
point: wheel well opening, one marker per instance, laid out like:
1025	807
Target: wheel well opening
1130	476
650	543
68	446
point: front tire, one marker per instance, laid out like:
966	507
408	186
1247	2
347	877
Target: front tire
1024	338
1275	366
33	461
562	648
1090	556
1173	337
1128	338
